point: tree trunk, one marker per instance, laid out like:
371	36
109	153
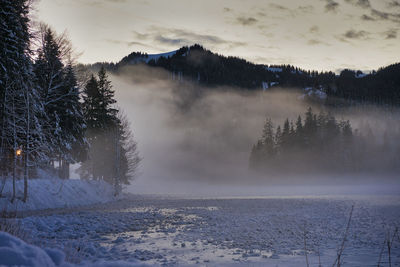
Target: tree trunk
14	150
117	162
60	168
27	148
26	173
66	170
14	177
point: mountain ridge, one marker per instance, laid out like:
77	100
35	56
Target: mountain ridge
202	66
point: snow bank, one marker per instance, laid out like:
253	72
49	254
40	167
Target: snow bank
15	252
57	193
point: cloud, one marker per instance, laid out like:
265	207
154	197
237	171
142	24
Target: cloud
227	9
390	34
393	3
380	14
116	1
246	21
261	14
181	37
136	43
360	3
127	43
314	41
100	3
393	17
364	3
331	6
292	11
170	41
314	29
277	6
352	34
367	18
376	14
139	35
306	9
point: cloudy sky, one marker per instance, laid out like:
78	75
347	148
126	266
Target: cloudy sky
312	34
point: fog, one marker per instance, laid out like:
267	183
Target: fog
195	139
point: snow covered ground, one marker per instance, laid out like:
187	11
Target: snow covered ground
56	193
232	231
15	252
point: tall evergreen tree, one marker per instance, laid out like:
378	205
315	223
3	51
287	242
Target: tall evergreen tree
267	138
74	145
106	105
20	108
49	71
65	124
113	154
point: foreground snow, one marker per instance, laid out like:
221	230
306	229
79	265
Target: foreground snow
263	231
56	193
15	252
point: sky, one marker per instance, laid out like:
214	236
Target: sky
327	35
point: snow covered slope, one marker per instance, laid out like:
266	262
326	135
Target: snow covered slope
155	57
57	193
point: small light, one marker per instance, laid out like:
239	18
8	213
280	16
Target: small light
18	152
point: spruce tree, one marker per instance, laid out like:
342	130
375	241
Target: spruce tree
278	139
74	145
49	71
267	140
286	136
20	109
113	154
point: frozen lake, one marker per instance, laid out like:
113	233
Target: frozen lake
255	231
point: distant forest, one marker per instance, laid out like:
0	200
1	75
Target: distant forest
322	143
202	66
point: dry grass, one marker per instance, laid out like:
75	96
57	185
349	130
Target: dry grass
9	223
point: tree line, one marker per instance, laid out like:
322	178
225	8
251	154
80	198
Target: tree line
48	118
321	143
197	64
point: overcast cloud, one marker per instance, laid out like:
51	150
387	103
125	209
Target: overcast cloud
305	32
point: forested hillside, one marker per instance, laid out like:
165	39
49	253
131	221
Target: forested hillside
197	64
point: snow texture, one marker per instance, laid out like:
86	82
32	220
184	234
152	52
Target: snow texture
360	75
313	92
57	193
154	57
254	231
15	252
265	85
274	69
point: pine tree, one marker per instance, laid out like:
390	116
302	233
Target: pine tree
113	154
20	109
49	71
129	158
108	112
64	122
267	139
278	139
299	135
91	98
310	127
72	123
257	156
286	136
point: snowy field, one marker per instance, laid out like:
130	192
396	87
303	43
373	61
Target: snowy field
253	231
